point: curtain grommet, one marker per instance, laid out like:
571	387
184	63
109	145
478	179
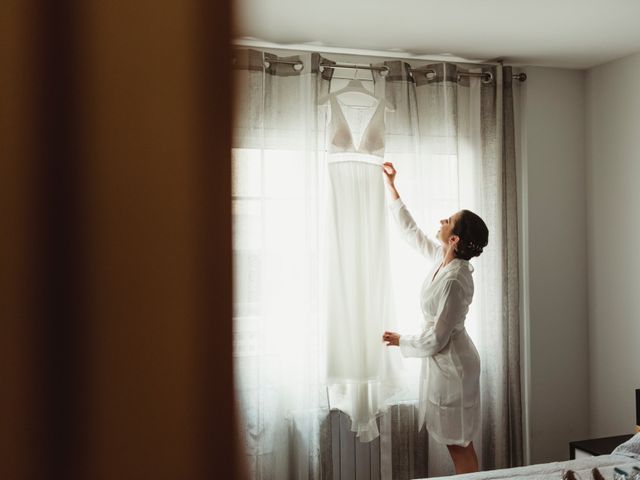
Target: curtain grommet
487	77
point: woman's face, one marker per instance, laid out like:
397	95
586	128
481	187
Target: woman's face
446	228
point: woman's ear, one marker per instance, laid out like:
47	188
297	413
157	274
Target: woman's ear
453	240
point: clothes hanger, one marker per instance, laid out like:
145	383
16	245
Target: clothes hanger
355	86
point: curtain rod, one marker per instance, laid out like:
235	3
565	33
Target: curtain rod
487	77
250	42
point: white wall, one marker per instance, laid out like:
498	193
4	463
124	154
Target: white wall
553	216
613	185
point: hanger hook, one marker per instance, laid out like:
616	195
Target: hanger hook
355	76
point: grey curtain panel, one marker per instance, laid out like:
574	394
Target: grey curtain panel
501	392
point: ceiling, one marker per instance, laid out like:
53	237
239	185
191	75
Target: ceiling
558	33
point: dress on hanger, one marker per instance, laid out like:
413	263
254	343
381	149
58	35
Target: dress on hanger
362	372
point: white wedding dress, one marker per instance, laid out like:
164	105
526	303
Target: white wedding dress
362	372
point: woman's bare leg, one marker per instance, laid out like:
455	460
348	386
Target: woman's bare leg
464	458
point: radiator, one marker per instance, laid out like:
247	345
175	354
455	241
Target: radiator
402	445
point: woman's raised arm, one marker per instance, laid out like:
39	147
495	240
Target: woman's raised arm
410	230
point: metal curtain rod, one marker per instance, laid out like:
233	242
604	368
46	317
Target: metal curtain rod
429	73
383	70
297	65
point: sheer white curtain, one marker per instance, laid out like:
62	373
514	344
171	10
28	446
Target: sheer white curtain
446	135
279	342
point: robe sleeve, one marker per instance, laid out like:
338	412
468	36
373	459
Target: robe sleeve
412	234
452	310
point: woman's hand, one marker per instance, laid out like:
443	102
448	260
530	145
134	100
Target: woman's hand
390	172
391	338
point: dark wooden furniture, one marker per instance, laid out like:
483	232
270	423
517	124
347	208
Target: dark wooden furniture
596	446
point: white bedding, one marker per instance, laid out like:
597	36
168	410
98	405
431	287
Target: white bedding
625	456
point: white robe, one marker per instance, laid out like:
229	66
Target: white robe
449	399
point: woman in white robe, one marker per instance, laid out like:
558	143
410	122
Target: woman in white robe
449	401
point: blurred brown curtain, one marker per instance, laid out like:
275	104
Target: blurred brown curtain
115	265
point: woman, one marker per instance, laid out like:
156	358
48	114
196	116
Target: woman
449	402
